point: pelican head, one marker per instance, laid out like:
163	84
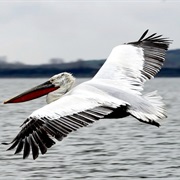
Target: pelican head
54	88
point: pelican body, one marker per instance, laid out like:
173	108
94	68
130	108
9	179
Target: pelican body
114	92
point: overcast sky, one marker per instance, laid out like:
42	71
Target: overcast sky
35	31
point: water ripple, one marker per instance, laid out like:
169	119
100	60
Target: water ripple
109	149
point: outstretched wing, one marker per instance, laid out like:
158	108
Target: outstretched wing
58	119
133	63
154	48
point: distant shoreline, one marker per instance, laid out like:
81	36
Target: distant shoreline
79	73
79	68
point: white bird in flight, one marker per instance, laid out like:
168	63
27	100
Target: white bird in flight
114	92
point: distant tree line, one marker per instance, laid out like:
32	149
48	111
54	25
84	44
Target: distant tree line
79	68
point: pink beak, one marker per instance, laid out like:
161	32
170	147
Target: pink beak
33	93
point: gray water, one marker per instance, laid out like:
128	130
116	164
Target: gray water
109	149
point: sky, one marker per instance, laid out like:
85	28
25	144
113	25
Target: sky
33	32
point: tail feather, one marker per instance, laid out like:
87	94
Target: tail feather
150	110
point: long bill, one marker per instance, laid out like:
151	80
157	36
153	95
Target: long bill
33	93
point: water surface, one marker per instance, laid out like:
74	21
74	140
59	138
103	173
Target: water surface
109	149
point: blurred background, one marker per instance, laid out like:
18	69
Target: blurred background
42	38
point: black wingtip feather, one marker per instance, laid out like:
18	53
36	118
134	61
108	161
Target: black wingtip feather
15	143
5	143
26	148
152	122
34	147
144	34
48	142
19	147
41	145
156	40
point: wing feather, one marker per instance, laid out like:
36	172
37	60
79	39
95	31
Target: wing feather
34	147
26	148
19	147
41	136
132	64
39	142
55	121
154	48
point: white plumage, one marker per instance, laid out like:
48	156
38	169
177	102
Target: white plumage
114	92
